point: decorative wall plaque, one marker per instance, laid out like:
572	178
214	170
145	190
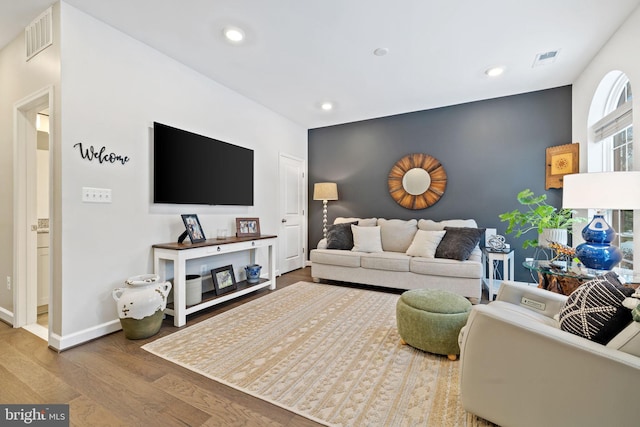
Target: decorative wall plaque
561	160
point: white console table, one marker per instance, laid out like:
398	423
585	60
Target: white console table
492	259
180	253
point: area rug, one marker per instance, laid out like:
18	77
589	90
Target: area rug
329	353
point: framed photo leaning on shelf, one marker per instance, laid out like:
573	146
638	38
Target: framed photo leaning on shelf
194	229
224	280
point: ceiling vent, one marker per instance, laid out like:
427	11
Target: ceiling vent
546	58
39	34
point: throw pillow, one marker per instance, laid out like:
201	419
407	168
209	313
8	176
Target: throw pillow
366	239
429	224
459	242
594	310
339	236
425	243
397	234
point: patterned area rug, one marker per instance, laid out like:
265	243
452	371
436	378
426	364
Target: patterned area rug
329	353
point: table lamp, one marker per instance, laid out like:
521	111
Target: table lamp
600	191
325	191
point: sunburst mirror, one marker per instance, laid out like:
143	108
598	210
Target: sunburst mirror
417	181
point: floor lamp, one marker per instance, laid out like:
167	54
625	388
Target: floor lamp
600	191
325	191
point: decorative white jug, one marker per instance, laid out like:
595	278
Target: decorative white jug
141	305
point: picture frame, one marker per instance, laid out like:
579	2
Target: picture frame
247	227
224	280
561	160
193	228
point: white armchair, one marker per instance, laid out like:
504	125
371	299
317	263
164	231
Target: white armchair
519	369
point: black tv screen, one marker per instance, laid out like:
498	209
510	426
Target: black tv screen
196	170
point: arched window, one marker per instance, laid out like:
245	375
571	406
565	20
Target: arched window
613	135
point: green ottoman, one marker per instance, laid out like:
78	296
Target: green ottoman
431	319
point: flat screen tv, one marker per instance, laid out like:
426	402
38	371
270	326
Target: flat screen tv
196	170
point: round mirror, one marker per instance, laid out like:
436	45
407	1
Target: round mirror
416	181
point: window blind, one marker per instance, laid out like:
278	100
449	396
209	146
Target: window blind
614	122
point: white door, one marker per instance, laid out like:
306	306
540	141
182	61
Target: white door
291	236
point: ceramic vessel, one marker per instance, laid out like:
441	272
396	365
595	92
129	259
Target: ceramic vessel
253	273
141	305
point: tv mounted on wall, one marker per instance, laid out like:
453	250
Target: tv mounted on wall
196	170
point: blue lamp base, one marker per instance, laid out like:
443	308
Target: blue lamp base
597	252
599	256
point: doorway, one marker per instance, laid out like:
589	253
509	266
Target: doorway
292	224
32	208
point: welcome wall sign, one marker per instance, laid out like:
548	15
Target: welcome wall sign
101	155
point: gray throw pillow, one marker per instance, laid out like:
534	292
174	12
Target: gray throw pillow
339	236
594	310
459	242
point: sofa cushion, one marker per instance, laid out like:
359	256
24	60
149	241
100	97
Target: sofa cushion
427	224
458	242
366	239
362	222
594	310
336	257
397	234
390	261
446	267
425	243
339	236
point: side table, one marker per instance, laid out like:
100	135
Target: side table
493	258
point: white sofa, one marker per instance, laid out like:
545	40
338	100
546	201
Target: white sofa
393	267
518	368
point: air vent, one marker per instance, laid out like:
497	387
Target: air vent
545	58
39	34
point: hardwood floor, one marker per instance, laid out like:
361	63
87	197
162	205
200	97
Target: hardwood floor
113	382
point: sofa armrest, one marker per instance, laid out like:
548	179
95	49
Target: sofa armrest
513	365
538	300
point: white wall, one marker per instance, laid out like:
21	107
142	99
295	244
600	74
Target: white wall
114	88
619	53
19	79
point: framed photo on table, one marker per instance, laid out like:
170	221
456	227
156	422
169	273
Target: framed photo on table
224	280
247	227
194	229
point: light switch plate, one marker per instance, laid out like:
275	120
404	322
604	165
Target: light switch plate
96	195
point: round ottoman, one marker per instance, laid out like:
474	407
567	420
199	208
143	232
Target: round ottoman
431	319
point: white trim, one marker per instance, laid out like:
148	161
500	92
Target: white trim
6	316
65	342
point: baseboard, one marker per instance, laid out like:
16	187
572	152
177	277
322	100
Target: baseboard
60	343
6	316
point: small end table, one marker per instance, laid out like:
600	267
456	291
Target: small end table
493	258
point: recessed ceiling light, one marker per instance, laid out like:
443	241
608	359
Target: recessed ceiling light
327	106
233	34
381	51
494	71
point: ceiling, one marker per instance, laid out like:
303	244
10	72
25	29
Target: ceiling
298	54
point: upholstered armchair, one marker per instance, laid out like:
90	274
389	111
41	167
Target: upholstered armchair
518	368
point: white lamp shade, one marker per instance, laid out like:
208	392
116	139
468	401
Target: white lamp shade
602	190
325	191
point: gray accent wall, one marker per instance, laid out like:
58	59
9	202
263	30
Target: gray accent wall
490	149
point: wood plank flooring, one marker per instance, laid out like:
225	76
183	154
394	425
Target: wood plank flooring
113	382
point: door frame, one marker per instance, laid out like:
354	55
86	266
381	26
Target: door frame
303	200
25	295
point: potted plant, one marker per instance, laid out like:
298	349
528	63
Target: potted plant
551	223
